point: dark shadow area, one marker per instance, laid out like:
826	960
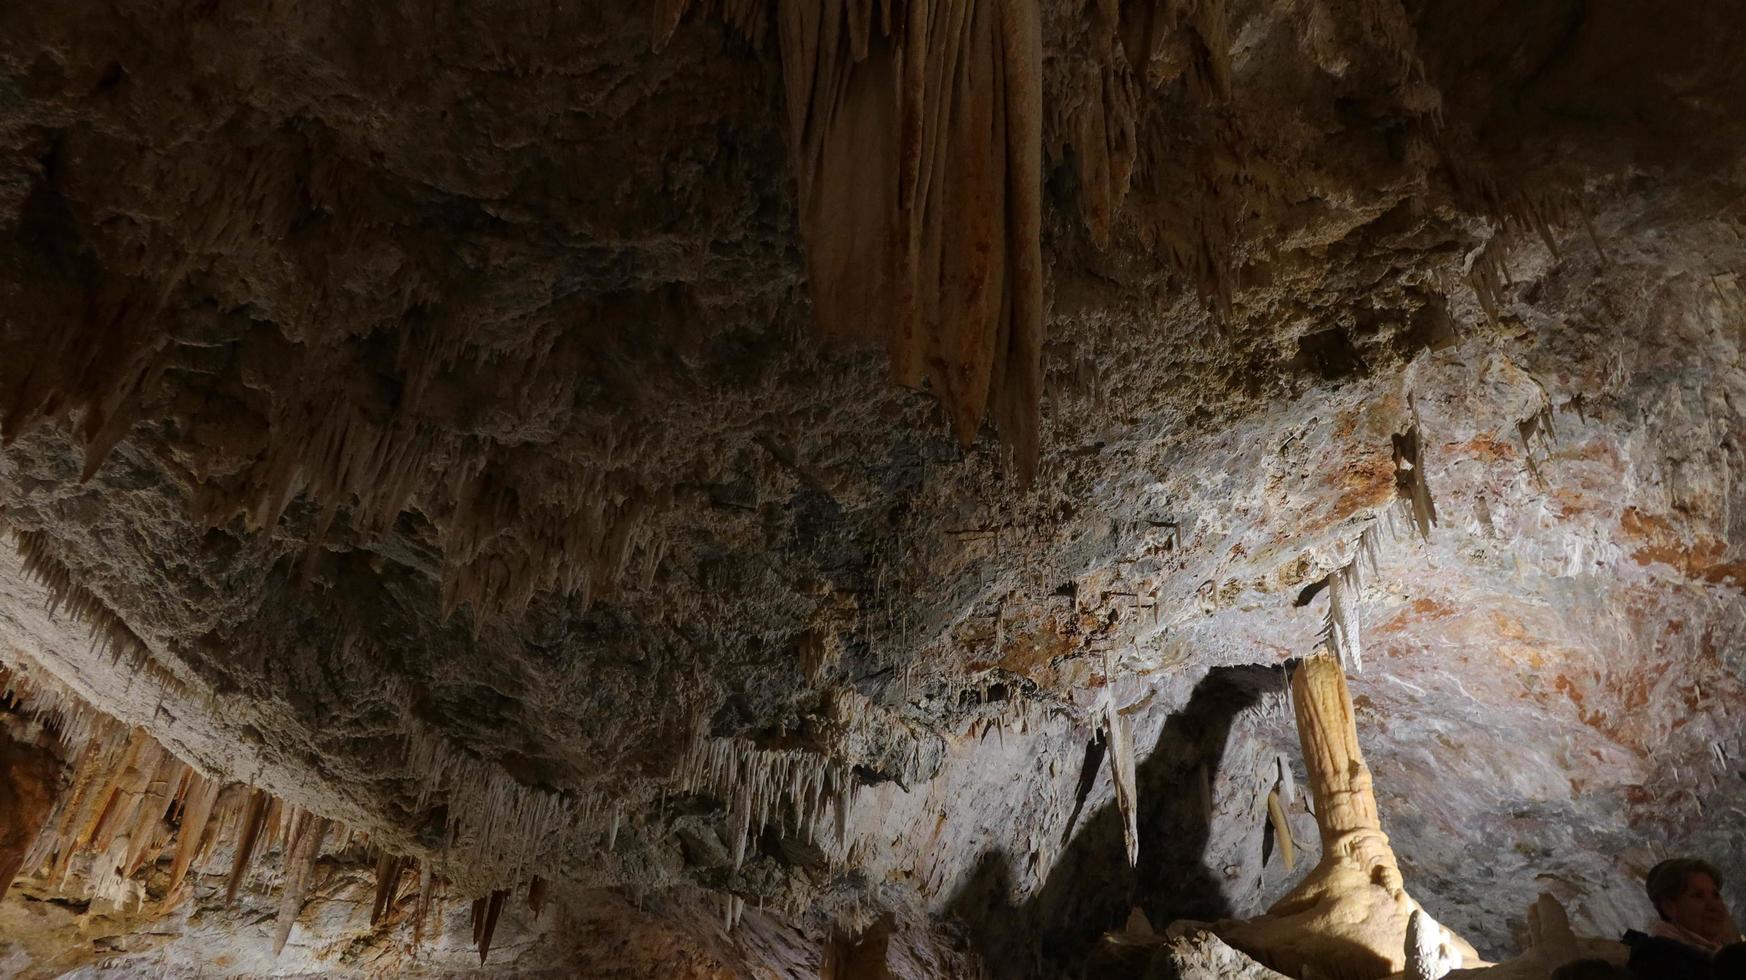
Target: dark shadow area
1091	888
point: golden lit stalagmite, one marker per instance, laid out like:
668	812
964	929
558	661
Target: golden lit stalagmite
1350	917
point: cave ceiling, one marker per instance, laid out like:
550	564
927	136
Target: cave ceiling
742	455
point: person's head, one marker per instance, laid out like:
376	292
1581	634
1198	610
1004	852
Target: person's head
1730	963
1590	970
1688	893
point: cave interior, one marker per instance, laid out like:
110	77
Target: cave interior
867	489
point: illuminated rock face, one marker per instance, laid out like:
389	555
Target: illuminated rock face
457	425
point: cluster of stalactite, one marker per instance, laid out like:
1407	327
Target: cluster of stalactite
128	787
512	521
919	132
583	539
109	633
915	139
486	909
129	802
790	788
494	822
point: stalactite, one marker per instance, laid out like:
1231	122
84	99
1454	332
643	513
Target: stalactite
129	798
494	821
109	633
1487	277
485	912
93	787
196	814
765	786
505	541
536	896
1341	630
299	876
388	871
253	817
126	792
271	825
1537	429
1119	735
1342	626
1281	830
421	912
97	366
1409	476
149	830
1286	782
109	881
916	146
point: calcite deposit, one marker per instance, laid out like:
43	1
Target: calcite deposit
720	488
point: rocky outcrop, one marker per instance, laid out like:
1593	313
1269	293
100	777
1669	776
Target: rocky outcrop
1200	955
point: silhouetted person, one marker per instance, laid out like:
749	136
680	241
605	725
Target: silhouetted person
1693	923
1590	970
1730	963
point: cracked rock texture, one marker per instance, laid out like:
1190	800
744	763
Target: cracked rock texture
433	415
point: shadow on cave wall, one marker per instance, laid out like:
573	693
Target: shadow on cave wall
1091	888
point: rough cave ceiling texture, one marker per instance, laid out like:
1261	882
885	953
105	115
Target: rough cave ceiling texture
475	426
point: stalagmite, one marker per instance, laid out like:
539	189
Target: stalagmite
299	876
1349	918
1549	933
1430	951
1551	944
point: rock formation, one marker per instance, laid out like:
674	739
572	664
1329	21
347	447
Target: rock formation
712	488
1351	917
